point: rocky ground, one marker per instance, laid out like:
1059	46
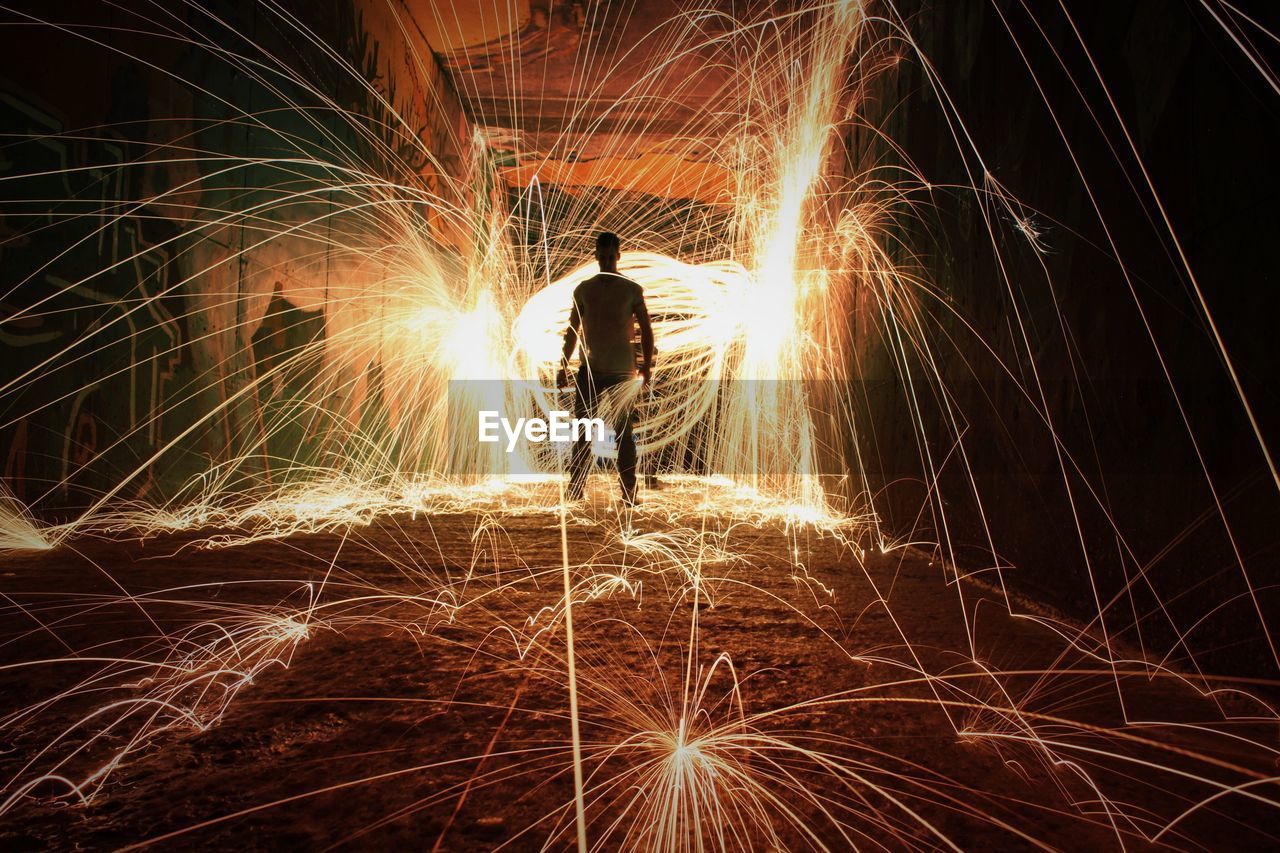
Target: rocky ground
756	682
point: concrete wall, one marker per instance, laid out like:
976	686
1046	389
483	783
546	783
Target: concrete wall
154	271
1093	319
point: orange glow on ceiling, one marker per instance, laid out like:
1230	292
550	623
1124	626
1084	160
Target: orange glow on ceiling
457	26
665	175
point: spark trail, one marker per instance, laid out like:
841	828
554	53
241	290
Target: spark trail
351	293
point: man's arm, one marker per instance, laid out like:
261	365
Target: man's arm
570	344
646	337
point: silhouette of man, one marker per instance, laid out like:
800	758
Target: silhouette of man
606	310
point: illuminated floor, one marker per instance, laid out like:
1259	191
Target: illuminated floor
425	695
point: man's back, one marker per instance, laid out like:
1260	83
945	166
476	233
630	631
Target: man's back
606	310
606	305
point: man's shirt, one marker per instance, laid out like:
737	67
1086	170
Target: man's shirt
604	310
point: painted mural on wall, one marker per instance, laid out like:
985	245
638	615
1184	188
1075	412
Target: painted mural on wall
187	249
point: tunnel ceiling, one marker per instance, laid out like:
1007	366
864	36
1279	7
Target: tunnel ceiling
616	95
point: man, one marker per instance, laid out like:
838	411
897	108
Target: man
606	309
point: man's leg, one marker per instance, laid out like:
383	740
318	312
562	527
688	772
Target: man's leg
580	453
650	466
579	468
626	442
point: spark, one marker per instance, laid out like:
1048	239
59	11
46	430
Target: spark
400	292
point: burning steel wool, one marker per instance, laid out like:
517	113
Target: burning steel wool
267	582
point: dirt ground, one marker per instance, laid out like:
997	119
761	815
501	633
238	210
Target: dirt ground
405	682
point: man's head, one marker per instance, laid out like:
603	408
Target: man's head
608	249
